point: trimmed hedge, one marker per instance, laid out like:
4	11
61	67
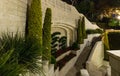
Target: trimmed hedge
114	40
106	46
47	35
54	43
34	23
111	42
63	42
55	33
94	31
106	42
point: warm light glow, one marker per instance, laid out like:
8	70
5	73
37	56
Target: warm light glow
118	17
117	11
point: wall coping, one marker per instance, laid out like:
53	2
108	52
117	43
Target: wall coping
114	53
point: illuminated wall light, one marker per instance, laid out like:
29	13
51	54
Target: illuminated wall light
117	11
118	17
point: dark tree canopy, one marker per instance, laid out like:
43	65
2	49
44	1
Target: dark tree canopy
94	8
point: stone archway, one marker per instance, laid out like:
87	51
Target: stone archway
66	30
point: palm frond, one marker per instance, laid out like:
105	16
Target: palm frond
19	55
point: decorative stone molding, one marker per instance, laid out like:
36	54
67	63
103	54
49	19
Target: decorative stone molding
67	31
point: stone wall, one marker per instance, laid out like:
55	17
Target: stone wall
12	15
64	18
62	12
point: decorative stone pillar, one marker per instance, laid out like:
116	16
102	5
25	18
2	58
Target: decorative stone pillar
114	57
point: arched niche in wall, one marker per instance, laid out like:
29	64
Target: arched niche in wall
62	30
66	30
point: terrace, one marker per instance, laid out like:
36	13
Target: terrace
78	46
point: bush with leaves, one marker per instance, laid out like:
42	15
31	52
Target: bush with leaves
75	46
23	57
7	66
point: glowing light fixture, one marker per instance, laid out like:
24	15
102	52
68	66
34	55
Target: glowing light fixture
118	17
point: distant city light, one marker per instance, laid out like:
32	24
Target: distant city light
118	17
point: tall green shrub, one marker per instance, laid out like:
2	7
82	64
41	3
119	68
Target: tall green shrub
47	35
106	46
83	28
34	23
106	41
33	34
79	33
94	31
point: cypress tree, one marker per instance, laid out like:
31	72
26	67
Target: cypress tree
34	24
34	36
47	35
79	33
83	28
